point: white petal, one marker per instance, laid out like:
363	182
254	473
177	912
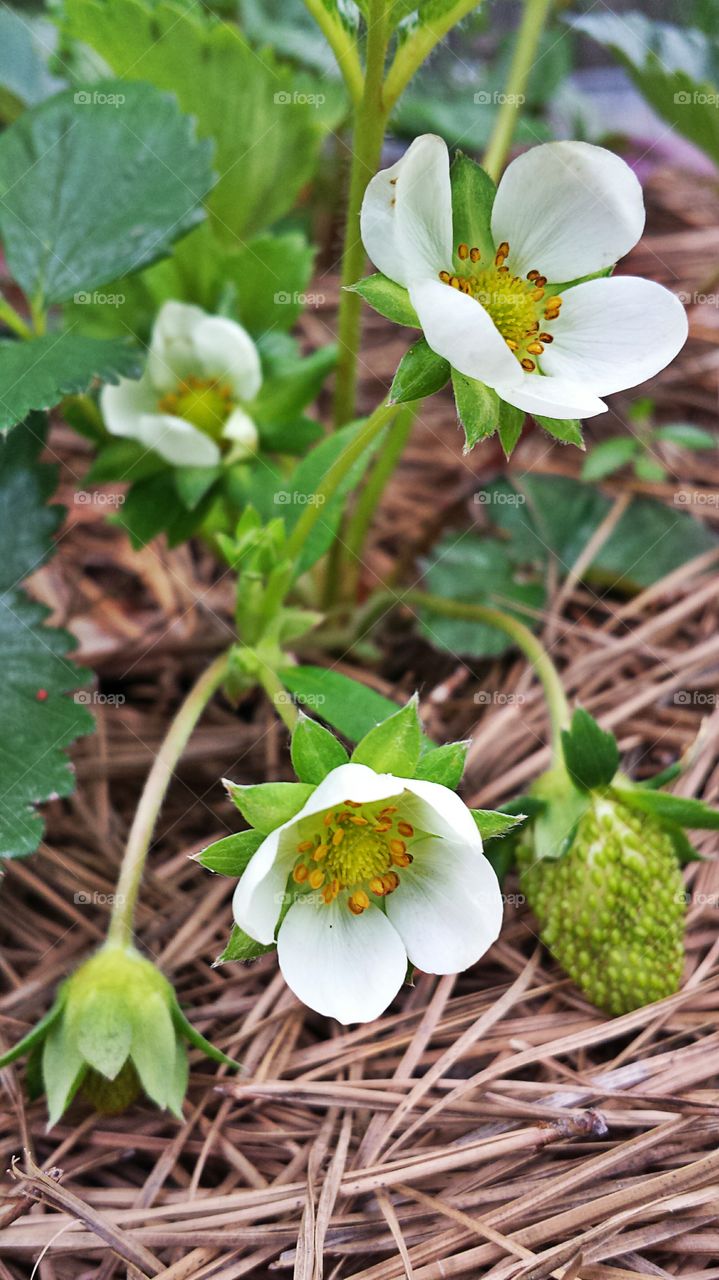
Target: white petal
457	327
567	209
552	397
241	429
123	405
351	782
615	333
344	966
447	908
259	896
450	815
176	440
406	216
226	350
172	353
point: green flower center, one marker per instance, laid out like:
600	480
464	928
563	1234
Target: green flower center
205	402
357	850
518	306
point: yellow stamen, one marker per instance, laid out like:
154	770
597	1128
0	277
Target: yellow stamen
405	829
304	846
317	878
320	852
528	365
474	254
300	873
546	337
463	251
536	348
338	837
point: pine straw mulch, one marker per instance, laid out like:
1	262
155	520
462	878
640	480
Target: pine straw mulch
489	1124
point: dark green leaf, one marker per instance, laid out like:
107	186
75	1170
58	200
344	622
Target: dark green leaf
39	720
477	407
590	753
350	707
315	751
388	298
230	856
268	804
421	372
394	745
444	764
36	374
242	947
97	184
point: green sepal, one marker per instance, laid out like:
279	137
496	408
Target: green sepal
184	1028
153	1047
268	804
473	193
315	751
491	824
568	430
391	300
421	372
683	847
192	483
667	775
555	826
36	1035
241	947
103	1032
665	807
477	408
591	754
444	765
394	745
63	1068
230	856
511	421
177	1084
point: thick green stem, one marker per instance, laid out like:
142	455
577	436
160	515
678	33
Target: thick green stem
533	650
336	474
370	118
417	48
525	48
153	794
371	496
342	44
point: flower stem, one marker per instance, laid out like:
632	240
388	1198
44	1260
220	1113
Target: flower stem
371	496
417	48
525	48
533	650
336	474
13	321
370	118
278	696
153	794
342	44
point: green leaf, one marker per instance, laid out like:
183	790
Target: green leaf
97	184
230	856
565	429
421	372
444	764
665	807
267	805
63	1068
103	1032
511	421
36	374
491	824
124	461
686	435
153	1047
315	751
591	754
292	385
648	468
25	78
608	457
473	193
194	1037
394	745
264	116
241	947
39	721
388	298
350	707
477	407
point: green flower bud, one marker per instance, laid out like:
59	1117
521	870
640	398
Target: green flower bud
116	1030
611	909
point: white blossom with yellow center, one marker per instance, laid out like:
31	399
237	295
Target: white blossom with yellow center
188	404
377	870
511	318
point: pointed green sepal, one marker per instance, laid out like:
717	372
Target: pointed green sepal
491	824
665	807
241	947
194	1037
230	856
444	765
315	751
36	1035
591	754
391	300
394	745
268	804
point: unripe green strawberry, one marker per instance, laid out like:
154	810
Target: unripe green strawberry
612	908
110	1097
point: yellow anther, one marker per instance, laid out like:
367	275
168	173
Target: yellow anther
376	885
554	301
454	282
528	365
320	852
359	821
305	845
463	251
536	348
338	837
537	295
300	873
444	277
405	829
389	808
474	254
390	881
511	344
532	275
328	819
397	846
402	859
546	337
317	878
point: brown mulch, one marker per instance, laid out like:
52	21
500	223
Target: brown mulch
489	1124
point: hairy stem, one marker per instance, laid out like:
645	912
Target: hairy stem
417	48
525	49
343	46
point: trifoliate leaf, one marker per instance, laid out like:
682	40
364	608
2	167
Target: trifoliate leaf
315	751
97	184
39	720
591	754
477	408
421	372
388	298
230	856
37	373
268	804
663	806
241	947
444	765
491	824
473	193
394	745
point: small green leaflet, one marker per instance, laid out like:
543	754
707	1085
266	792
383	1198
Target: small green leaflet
36	374
591	754
394	745
39	719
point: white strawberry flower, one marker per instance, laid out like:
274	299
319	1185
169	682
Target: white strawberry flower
507	313
188	406
378	871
